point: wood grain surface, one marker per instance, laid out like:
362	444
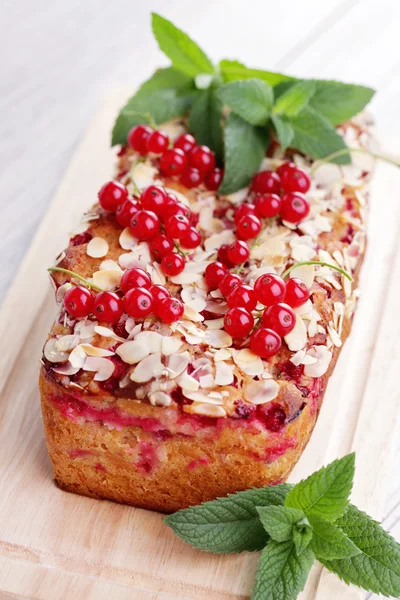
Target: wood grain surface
60	58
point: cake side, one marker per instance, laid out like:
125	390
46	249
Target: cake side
199	415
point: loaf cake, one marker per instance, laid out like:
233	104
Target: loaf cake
187	360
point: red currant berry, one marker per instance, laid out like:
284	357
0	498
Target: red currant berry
265	342
214	179
78	301
108	307
238	252
177	226
159	292
157	142
295	180
139	303
177	208
228	283
270	289
138	136
155	198
242	295
223	256
170	310
297	293
279	317
191	178
267	205
173	162
213	274
161	245
266	182
134	278
272	415
286	166
243	210
173	264
185	142
145	225
238	322
112	194
203	159
191	239
248	227
125	212
295	207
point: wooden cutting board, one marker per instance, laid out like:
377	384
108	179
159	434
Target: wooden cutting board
58	545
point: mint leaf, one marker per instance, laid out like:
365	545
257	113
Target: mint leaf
295	98
241	165
251	99
278	521
326	491
377	567
315	136
284	131
302	536
184	53
338	101
329	541
228	524
233	70
281	574
167	94
205	121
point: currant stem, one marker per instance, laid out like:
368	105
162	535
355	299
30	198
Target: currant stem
321	264
75	276
344	151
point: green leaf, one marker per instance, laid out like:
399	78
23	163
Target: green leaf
315	136
302	537
205	121
281	574
338	101
228	524
184	53
244	149
251	99
377	568
233	70
329	541
167	94
295	98
325	492
278	521
284	131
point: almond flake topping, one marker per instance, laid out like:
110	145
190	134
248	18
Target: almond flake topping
148	368
97	247
297	338
132	352
107	279
103	367
126	239
261	392
320	367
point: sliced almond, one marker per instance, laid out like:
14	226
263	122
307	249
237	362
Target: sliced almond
132	352
217	338
97	247
152	340
297	338
95	351
160	399
223	373
51	352
192	272
306	273
148	368
214	323
67	342
85	328
107	279
143	174
177	363
222	354
216	240
170	345
103	367
109	265
77	357
320	367
261	392
207	381
202	396
62	290
188	382
66	369
127	240
207	410
248	362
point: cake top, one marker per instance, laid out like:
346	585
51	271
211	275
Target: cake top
174	295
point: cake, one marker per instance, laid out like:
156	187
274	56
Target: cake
164	397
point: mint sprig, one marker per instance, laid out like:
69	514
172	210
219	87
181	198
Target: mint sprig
296	525
302	114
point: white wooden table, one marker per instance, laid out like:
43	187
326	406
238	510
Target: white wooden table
59	59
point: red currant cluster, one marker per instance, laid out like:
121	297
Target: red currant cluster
277	193
193	164
277	320
157	218
140	300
